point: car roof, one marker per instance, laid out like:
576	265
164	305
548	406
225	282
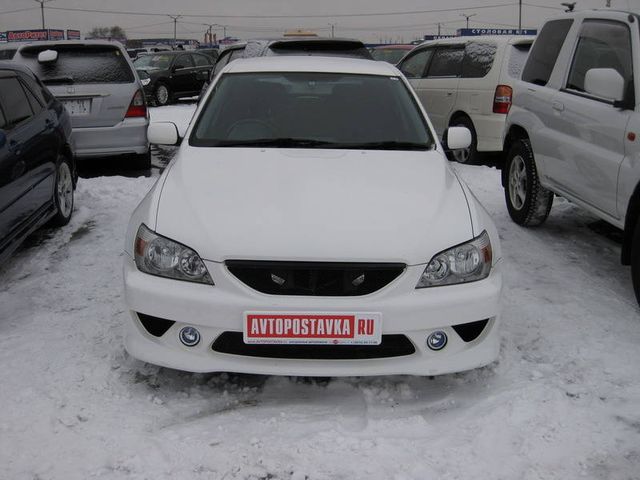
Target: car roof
53	43
499	39
596	13
316	64
9	65
394	46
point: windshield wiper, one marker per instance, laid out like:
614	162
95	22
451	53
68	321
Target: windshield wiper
57	80
386	145
276	143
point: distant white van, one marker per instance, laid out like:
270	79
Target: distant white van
467	81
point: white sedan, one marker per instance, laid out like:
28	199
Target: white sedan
310	225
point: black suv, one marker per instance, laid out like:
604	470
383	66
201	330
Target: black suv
167	76
37	170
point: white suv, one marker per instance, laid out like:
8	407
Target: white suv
467	81
574	126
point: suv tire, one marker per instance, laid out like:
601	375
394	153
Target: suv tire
528	202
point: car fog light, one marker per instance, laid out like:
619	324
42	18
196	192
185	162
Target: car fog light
437	340
189	336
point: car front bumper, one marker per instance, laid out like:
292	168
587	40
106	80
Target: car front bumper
214	310
126	137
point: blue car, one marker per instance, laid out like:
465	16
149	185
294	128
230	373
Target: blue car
37	169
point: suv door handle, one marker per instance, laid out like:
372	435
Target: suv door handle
559	106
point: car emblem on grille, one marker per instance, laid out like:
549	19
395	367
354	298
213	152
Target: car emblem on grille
71	90
358	281
276	279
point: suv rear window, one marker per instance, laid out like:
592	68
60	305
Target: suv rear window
545	51
80	64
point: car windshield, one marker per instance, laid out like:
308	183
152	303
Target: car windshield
153	61
311	110
80	64
391	55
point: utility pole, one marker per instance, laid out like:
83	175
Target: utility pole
468	17
519	14
438	29
333	26
42	2
175	27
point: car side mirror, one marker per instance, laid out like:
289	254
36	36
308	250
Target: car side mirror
3	138
458	138
605	83
47	56
163	133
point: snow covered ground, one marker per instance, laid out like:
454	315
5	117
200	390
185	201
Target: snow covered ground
563	401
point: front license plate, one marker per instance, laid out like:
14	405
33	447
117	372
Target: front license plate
312	328
81	106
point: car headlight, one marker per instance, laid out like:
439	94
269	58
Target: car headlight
464	263
145	81
158	255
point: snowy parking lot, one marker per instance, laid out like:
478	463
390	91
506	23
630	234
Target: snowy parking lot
563	401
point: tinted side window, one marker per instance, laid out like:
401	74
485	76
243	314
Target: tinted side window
478	59
545	51
447	62
602	44
201	61
35	104
183	61
35	88
416	65
14	101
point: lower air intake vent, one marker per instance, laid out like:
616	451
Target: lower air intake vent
315	278
391	346
154	325
470	331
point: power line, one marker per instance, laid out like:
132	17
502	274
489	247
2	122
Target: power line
543	6
19	10
337	15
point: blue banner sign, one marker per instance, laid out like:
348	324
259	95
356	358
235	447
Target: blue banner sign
470	32
437	37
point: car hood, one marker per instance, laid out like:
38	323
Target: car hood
313	205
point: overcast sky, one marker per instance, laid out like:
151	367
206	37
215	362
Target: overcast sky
352	18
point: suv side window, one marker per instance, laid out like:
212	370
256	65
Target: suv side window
201	60
14	101
601	44
545	51
478	59
416	65
447	62
183	61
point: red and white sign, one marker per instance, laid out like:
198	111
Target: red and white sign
313	328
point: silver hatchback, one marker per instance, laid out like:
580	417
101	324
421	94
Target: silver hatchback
97	83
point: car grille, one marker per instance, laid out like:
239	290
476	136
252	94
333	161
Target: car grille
315	278
391	346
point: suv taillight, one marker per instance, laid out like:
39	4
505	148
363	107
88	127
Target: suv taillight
138	106
502	99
